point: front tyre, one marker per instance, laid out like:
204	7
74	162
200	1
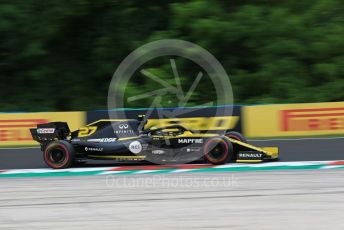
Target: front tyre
218	150
59	155
236	135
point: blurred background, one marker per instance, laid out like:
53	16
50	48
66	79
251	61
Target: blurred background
61	55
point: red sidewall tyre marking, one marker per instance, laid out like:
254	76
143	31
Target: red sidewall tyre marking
210	159
47	157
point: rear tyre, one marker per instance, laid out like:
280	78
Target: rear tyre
59	155
218	151
236	135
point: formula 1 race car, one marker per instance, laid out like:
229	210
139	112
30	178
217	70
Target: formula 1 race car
128	140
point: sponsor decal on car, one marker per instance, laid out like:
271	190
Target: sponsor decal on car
190	141
45	130
135	147
93	149
103	140
190	150
158	152
123	129
250	155
123	126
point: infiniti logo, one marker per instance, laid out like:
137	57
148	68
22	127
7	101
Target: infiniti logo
123	126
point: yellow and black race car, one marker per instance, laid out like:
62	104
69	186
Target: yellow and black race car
129	140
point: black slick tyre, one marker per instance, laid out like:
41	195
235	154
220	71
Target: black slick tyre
236	135
59	155
218	150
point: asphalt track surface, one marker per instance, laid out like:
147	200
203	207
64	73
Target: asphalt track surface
285	200
297	199
312	149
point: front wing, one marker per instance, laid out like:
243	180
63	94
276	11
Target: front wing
251	154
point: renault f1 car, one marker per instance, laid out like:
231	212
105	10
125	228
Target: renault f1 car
129	140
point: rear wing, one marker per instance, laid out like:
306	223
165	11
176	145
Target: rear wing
50	132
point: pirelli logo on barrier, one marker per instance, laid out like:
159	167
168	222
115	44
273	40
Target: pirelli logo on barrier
294	120
14	127
17	129
312	119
